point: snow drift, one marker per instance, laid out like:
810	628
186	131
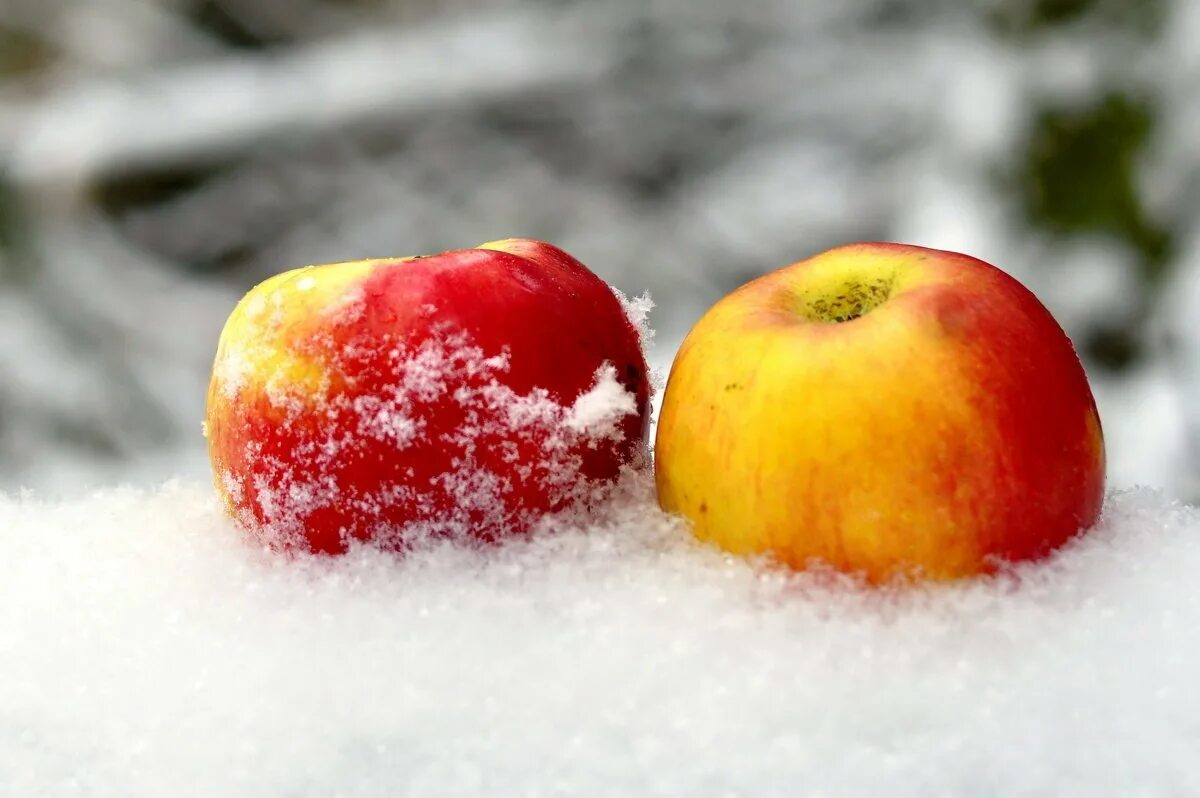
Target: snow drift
146	649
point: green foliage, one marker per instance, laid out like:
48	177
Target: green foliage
1025	17
216	20
21	53
1078	175
8	215
16	267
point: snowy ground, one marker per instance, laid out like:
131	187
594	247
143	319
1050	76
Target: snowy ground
146	651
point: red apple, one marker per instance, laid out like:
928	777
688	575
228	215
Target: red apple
462	395
886	409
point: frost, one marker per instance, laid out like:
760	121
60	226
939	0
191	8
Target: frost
232	487
466	456
381	420
231	372
637	310
256	306
281	393
350	306
146	650
598	412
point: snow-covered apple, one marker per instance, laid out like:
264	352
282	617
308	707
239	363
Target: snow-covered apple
887	409
461	395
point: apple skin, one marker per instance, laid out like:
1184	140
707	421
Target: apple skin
451	396
942	427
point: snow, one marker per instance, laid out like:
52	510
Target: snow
146	650
94	123
598	412
444	403
638	309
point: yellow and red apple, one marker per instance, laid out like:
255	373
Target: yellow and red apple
461	395
890	410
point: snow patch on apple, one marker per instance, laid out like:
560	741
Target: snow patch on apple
232	370
147	650
637	310
598	411
445	395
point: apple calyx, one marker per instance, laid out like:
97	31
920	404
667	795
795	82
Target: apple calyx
838	298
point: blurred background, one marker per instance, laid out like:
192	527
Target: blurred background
158	157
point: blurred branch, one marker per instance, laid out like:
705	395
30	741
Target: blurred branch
199	112
284	20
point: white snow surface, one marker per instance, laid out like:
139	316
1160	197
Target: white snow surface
146	649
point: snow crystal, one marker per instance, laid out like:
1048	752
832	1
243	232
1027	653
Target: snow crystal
232	371
638	310
598	412
147	650
444	402
380	420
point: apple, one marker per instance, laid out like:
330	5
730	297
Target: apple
891	410
463	395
